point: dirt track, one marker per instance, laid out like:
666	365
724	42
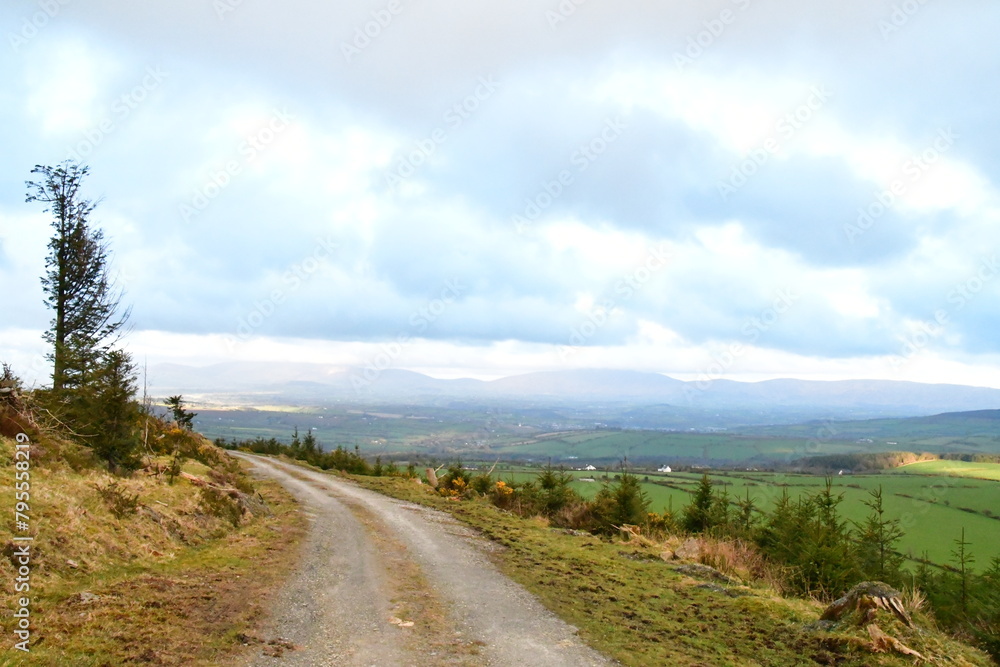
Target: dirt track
384	582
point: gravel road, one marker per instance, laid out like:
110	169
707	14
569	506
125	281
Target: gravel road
369	559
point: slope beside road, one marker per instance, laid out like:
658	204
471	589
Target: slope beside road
386	582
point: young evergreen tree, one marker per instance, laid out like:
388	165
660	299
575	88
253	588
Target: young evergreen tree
778	535
745	519
923	578
113	414
809	536
87	305
697	516
963	560
184	418
554	489
875	543
310	447
623	502
829	557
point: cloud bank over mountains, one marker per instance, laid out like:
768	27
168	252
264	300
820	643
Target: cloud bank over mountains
725	189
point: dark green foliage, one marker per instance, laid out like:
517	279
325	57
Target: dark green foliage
77	284
345	461
875	542
708	510
697	515
963	601
963	562
744	523
107	414
554	490
809	536
307	449
310	447
184	418
622	503
986	630
482	484
93	384
865	461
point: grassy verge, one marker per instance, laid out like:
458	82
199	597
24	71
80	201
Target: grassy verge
169	583
634	606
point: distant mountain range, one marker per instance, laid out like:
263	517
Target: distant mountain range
269	383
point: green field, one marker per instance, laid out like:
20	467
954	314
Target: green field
468	433
956	468
666	447
932	509
933	500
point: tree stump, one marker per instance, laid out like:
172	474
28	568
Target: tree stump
868	597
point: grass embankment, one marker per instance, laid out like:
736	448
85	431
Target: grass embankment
169	579
632	604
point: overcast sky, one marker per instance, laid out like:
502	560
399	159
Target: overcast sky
736	188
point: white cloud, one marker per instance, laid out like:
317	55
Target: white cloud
654	189
66	85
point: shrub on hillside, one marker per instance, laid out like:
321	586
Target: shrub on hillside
621	503
218	503
118	499
455	483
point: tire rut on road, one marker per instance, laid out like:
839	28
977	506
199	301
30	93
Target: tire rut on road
335	606
489	619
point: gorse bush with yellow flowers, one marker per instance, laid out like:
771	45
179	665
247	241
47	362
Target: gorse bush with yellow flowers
550	495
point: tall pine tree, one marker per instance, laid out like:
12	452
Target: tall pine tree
93	383
78	288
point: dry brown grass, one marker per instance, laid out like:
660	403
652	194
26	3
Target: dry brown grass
174	583
742	560
734	558
913	600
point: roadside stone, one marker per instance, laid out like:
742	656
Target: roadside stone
690	550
